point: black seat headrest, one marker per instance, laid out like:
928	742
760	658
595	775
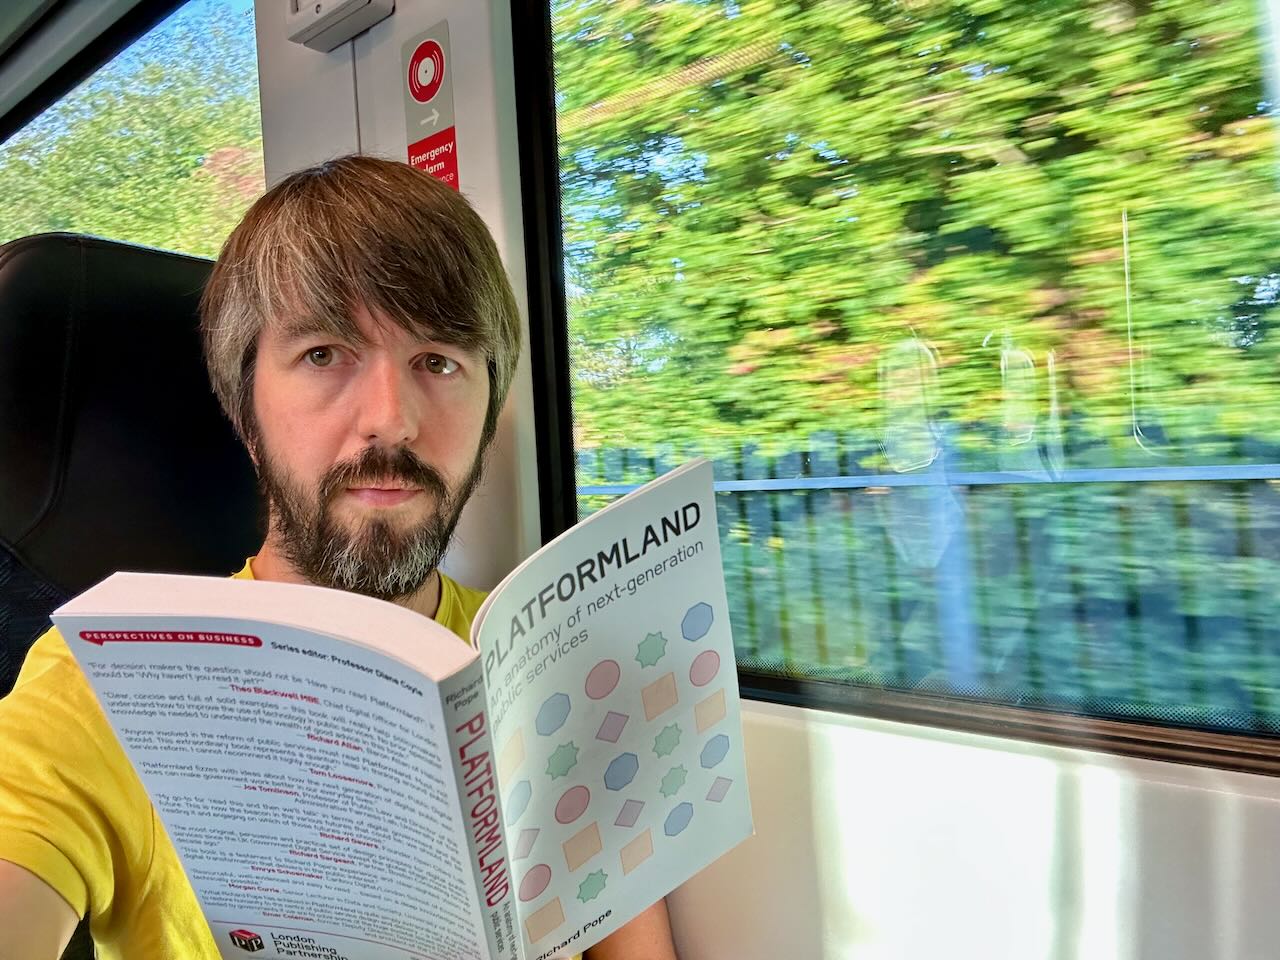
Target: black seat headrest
114	453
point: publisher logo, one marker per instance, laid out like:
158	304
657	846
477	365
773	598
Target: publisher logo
247	940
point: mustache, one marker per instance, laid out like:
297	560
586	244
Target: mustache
376	464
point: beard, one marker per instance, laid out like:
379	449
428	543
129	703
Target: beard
376	558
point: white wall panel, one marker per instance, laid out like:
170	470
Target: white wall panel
882	841
308	97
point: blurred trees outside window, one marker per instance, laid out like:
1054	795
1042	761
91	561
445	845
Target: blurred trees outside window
162	146
971	302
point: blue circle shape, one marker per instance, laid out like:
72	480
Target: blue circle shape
678	819
717	749
697	621
622	770
518	800
552	714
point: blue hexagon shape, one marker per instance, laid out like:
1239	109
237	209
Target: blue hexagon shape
678	819
552	714
715	751
697	621
621	771
518	800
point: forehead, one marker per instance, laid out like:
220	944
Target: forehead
360	325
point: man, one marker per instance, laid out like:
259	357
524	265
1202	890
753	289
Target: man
361	335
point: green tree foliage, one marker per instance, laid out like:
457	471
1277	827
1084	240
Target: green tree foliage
763	199
163	146
923	237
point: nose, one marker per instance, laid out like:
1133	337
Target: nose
387	411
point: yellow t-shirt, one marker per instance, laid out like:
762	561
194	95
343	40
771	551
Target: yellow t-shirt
73	812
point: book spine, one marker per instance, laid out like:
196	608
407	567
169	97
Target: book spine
466	716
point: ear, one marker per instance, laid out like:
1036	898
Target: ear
248	433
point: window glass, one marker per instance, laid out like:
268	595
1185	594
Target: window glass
161	146
973	304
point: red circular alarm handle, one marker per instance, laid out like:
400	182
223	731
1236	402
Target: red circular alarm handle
426	71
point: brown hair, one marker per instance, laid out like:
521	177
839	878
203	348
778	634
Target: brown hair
357	231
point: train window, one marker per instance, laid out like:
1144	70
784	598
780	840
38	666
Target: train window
974	306
160	146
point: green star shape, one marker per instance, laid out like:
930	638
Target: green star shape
666	742
593	886
651	649
673	781
563	759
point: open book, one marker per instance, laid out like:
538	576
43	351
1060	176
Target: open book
344	778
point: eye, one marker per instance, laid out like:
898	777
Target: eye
438	363
319	356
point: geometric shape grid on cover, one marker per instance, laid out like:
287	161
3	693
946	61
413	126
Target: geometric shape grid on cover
544	921
719	789
602	679
582	846
512	755
524	845
665	743
673	781
651	649
697	621
535	882
611	727
678	819
563	759
621	771
659	696
572	804
629	813
709	711
552	714
716	749
518	800
593	886
636	852
704	668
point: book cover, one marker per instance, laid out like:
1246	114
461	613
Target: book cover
344	778
613	694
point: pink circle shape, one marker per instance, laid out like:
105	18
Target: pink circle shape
602	679
534	882
572	804
705	666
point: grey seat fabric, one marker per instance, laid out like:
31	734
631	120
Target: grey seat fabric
114	453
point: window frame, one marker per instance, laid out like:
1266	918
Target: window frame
95	54
534	72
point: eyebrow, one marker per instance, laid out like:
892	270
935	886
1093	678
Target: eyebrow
306	328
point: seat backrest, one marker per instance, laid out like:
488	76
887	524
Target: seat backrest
114	453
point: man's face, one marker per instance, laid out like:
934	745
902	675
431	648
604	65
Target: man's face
367	452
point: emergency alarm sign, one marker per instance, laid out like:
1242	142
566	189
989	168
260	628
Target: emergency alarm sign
428	104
